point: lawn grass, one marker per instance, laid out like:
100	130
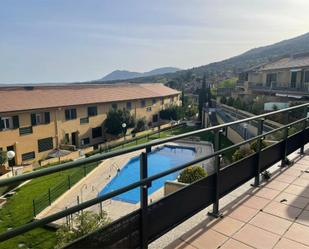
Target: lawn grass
19	210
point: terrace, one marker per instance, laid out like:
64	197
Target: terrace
272	214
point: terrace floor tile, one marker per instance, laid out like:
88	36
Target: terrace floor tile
256	237
299	233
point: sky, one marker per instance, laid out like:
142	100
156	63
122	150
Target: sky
78	40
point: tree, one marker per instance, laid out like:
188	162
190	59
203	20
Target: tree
3	158
204	97
141	125
241	153
230	101
115	119
237	103
192	174
82	224
172	113
223	100
228	83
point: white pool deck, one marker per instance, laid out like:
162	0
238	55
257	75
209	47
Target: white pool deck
89	187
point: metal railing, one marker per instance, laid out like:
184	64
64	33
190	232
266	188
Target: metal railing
46	199
152	227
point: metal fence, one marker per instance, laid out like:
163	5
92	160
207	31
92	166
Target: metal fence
46	199
150	221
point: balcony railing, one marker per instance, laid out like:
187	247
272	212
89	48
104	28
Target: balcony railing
280	89
150	221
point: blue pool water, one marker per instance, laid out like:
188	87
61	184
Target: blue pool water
161	159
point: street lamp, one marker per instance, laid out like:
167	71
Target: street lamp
124	125
245	126
10	155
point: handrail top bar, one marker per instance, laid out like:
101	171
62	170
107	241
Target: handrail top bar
146	181
103	156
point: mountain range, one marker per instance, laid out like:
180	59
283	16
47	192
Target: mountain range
124	74
239	63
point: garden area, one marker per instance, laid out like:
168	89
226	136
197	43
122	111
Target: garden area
19	209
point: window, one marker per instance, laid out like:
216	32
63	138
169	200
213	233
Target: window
129	105
6	123
84	120
85	141
96	132
45	144
66	138
307	77
28	156
70	114
271	78
148	109
25	130
114	106
143	103
155	118
40	118
9	123
92	111
154	101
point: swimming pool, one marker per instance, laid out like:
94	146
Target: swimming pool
160	159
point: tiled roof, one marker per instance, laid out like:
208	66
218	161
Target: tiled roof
40	97
288	62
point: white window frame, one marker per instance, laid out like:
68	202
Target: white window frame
10	121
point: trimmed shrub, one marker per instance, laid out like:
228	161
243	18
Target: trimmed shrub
141	125
192	174
253	145
241	153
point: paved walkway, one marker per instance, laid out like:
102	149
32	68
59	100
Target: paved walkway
273	216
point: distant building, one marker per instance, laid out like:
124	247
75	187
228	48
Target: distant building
286	77
36	120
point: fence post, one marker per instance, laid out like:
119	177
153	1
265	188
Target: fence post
34	211
285	137
258	151
144	202
49	198
69	181
85	172
304	128
101	210
77	200
215	210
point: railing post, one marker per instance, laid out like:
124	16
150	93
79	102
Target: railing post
302	148
285	138
144	202
215	211
258	151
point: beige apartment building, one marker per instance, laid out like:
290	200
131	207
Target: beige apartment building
35	120
284	75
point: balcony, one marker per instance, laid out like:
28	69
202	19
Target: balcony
300	92
222	209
